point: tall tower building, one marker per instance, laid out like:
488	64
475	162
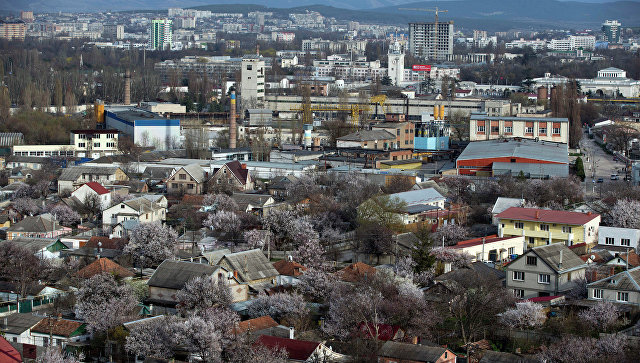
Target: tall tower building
252	84
160	34
395	68
427	42
611	30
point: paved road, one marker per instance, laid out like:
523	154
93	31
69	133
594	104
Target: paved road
599	164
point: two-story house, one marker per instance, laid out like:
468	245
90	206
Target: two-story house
623	288
251	267
143	210
74	176
404	131
40	226
491	248
541	226
368	139
233	174
93	191
544	271
483	127
618	237
95	143
189	179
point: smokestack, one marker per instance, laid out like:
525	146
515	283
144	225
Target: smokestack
232	121
127	87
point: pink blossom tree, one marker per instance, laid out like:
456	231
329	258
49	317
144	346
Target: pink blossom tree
281	306
26	206
405	267
450	234
202	293
151	243
227	222
316	283
310	253
525	315
257	238
625	213
447	255
583	349
104	303
54	354
65	215
201	337
220	202
601	316
153	338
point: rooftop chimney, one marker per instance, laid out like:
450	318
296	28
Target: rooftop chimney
560	263
127	87
232	121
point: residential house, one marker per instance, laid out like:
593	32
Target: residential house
10	291
623	288
625	260
142	209
279	186
40	226
491	248
94	193
60	331
544	271
483	127
491	356
419	205
396	352
171	276
619	237
255	325
20	175
355	272
189	179
48	248
258	204
289	271
16	328
233	175
502	204
74	176
29	162
541	226
251	267
301	350
97	247
103	265
404	132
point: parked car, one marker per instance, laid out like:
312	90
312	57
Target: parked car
600	180
615	177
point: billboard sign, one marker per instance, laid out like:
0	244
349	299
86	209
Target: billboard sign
421	68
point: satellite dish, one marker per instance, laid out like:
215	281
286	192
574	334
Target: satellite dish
592	258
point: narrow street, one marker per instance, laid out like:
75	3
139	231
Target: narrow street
598	164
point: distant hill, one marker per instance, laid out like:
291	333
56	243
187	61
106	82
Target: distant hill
491	15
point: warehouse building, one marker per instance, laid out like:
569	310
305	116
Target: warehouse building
144	127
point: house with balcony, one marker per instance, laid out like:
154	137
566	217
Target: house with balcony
544	271
542	227
142	209
623	288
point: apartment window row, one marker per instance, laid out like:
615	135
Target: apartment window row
542	130
621	296
623	241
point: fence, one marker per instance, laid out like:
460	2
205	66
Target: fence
26	305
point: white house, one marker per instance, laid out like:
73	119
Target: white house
17	327
140	209
619	237
93	190
491	248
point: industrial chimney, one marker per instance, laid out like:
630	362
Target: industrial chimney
127	87
232	121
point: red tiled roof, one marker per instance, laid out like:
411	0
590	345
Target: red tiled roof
289	268
543	298
296	349
8	354
386	332
577	245
263	322
97	187
544	215
103	265
355	272
478	241
59	327
193	199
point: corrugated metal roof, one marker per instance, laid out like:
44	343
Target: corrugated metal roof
420	196
520	148
531	169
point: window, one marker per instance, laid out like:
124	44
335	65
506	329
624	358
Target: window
182	176
518	276
625	242
111	136
519	225
111	144
398	132
622	296
190	186
480	128
609	240
249	67
528	130
542	131
544	279
508	129
121	206
597	294
544	227
512	251
81	144
96	144
519	293
174	185
532	260
566	229
556	131
495	129
82	136
532	240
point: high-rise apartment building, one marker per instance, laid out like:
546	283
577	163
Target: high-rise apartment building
27	16
160	34
428	42
12	29
113	32
611	30
252	84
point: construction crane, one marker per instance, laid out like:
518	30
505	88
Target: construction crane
307	111
436	11
379	100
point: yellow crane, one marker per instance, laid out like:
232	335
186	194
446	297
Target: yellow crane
379	100
308	109
434	48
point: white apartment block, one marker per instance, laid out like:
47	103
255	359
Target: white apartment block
573	42
95	143
252	84
534	44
